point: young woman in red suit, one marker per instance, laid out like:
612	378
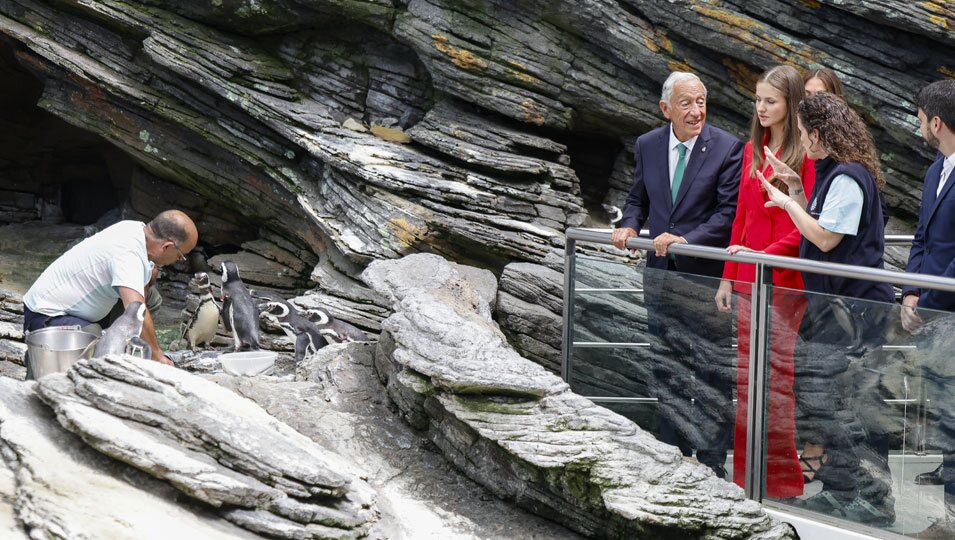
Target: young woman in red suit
774	138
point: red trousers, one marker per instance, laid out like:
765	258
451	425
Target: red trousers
783	473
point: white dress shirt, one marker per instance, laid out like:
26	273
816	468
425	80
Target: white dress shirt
675	154
947	167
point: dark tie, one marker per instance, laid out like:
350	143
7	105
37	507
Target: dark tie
678	172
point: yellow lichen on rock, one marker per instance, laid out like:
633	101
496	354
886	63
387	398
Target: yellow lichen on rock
674	65
406	233
459	57
947	71
729	19
658	42
392	134
519	71
744	78
532	114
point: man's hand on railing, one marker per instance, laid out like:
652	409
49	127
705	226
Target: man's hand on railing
619	237
661	244
724	296
910	318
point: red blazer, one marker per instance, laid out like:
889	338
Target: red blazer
765	229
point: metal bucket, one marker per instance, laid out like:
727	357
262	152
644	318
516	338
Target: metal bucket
55	349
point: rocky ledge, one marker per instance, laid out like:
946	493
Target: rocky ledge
212	445
518	430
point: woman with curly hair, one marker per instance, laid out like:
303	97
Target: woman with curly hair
841	223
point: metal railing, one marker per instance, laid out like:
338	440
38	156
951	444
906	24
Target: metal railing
755	473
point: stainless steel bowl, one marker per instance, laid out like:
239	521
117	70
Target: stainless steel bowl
55	349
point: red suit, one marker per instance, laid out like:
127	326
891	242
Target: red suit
770	230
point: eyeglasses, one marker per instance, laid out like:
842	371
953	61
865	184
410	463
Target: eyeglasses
179	251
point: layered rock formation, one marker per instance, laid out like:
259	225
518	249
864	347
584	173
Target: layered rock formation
520	432
213	446
477	130
52	485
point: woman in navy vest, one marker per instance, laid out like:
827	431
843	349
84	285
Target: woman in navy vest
842	223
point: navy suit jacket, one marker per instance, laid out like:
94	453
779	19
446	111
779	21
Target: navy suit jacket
933	250
706	203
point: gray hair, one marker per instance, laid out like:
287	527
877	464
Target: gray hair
675	77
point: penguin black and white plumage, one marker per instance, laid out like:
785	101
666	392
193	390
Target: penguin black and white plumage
124	332
308	339
240	316
334	329
614	214
201	326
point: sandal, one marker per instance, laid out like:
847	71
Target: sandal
809	471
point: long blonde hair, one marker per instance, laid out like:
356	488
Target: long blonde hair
788	82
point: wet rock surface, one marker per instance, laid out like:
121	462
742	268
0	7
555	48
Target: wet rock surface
528	438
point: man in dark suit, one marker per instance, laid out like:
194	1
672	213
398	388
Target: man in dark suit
933	252
686	182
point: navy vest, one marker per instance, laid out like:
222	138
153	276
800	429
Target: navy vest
865	248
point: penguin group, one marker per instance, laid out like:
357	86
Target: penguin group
311	329
240	311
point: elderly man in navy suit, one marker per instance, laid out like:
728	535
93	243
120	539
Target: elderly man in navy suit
686	182
933	252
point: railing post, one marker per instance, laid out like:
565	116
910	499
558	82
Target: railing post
759	355
567	335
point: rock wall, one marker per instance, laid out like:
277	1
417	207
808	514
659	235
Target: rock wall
519	430
448	126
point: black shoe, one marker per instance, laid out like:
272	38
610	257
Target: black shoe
860	510
933	478
823	502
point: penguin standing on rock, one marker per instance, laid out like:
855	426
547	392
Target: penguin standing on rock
240	316
201	325
124	332
333	329
308	338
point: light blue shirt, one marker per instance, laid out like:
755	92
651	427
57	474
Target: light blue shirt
85	281
843	207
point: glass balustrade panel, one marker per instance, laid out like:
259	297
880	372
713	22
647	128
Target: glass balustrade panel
860	407
652	345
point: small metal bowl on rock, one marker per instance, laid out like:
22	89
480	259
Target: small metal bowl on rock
248	363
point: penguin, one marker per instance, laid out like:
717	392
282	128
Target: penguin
240	316
613	213
334	329
123	334
201	325
844	317
308	338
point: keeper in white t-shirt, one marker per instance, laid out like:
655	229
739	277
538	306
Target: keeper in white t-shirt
118	263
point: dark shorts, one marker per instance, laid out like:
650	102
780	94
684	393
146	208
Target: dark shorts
36	321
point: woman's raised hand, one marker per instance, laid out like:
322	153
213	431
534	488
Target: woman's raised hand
776	197
782	171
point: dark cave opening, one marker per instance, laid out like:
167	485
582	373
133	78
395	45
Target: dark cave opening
595	160
58	180
49	170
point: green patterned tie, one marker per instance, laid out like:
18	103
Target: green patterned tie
678	172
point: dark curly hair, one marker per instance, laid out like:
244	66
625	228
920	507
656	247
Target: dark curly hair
841	132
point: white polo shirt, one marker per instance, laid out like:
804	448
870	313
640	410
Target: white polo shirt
84	281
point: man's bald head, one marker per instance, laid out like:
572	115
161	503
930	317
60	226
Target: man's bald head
176	226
